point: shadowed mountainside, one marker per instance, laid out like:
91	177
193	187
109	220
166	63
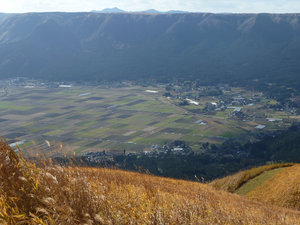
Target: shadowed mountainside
92	46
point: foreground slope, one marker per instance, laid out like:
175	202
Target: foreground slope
211	47
277	184
60	195
234	182
282	189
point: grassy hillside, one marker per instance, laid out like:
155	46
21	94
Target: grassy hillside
282	189
234	182
257	181
56	195
277	184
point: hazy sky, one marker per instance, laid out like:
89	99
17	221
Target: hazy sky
236	6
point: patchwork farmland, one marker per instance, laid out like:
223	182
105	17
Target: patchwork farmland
97	118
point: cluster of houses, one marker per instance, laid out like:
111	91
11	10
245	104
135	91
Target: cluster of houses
221	99
157	150
31	83
98	157
227	102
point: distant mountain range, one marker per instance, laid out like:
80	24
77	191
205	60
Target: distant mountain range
95	46
149	11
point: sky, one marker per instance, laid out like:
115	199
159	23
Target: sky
215	6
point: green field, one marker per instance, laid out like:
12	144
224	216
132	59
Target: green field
101	118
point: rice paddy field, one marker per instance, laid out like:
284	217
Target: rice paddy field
97	118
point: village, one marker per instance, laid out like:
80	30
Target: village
213	100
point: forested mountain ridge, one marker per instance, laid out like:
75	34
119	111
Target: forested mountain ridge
92	46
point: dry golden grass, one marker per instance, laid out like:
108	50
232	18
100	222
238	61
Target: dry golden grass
59	195
283	189
234	182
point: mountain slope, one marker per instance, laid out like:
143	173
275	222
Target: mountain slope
60	195
138	46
